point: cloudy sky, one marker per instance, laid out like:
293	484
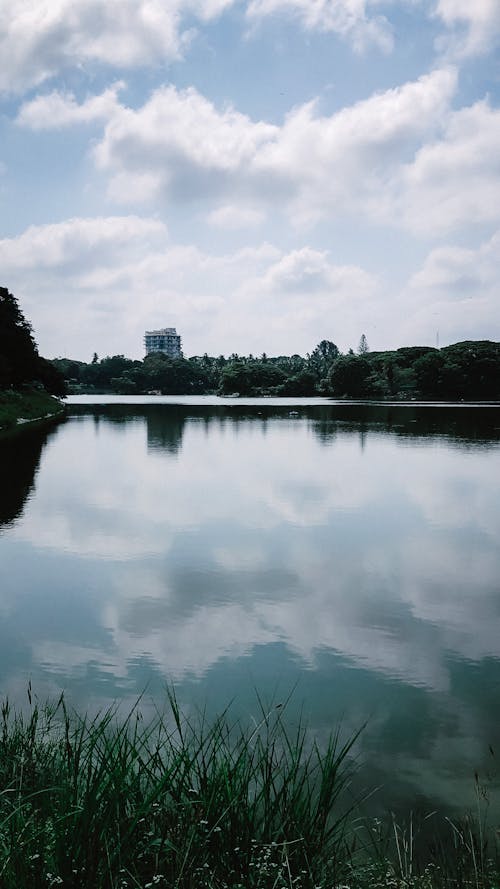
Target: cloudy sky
261	174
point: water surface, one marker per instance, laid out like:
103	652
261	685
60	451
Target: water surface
348	551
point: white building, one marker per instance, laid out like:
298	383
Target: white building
165	340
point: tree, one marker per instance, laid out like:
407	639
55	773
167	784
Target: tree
321	358
50	377
171	376
20	362
363	345
250	378
18	350
428	374
100	373
302	383
349	376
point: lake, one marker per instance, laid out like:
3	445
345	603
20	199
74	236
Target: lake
346	554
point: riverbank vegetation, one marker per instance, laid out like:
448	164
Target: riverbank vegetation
464	371
104	802
27	406
27	381
20	363
467	371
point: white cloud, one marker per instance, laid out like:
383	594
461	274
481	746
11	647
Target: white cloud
345	162
183	143
348	18
40	38
76	242
401	157
455	291
454	180
61	274
105	281
474	25
231	216
311	271
461	271
180	147
56	110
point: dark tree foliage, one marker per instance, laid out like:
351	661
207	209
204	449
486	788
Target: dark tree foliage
171	376
100	373
20	363
321	359
50	378
472	370
428	372
302	383
349	376
18	350
24	453
469	371
248	377
157	373
69	368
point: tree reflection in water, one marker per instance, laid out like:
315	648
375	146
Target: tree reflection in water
19	461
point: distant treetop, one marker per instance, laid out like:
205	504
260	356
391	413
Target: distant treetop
363	345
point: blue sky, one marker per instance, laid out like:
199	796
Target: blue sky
261	174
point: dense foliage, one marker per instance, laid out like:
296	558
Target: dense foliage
20	363
468	371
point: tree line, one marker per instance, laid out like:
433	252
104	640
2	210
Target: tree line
468	370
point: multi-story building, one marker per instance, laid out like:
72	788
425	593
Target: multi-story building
165	340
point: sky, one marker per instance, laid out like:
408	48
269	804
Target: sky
259	174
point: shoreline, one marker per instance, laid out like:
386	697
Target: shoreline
99	398
20	410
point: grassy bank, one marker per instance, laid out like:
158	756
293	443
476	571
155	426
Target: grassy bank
26	406
102	802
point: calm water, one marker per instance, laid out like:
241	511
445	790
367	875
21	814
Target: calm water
349	552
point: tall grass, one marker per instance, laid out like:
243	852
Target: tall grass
110	803
427	851
104	802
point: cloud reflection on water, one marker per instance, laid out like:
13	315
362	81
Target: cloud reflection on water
288	533
182	546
